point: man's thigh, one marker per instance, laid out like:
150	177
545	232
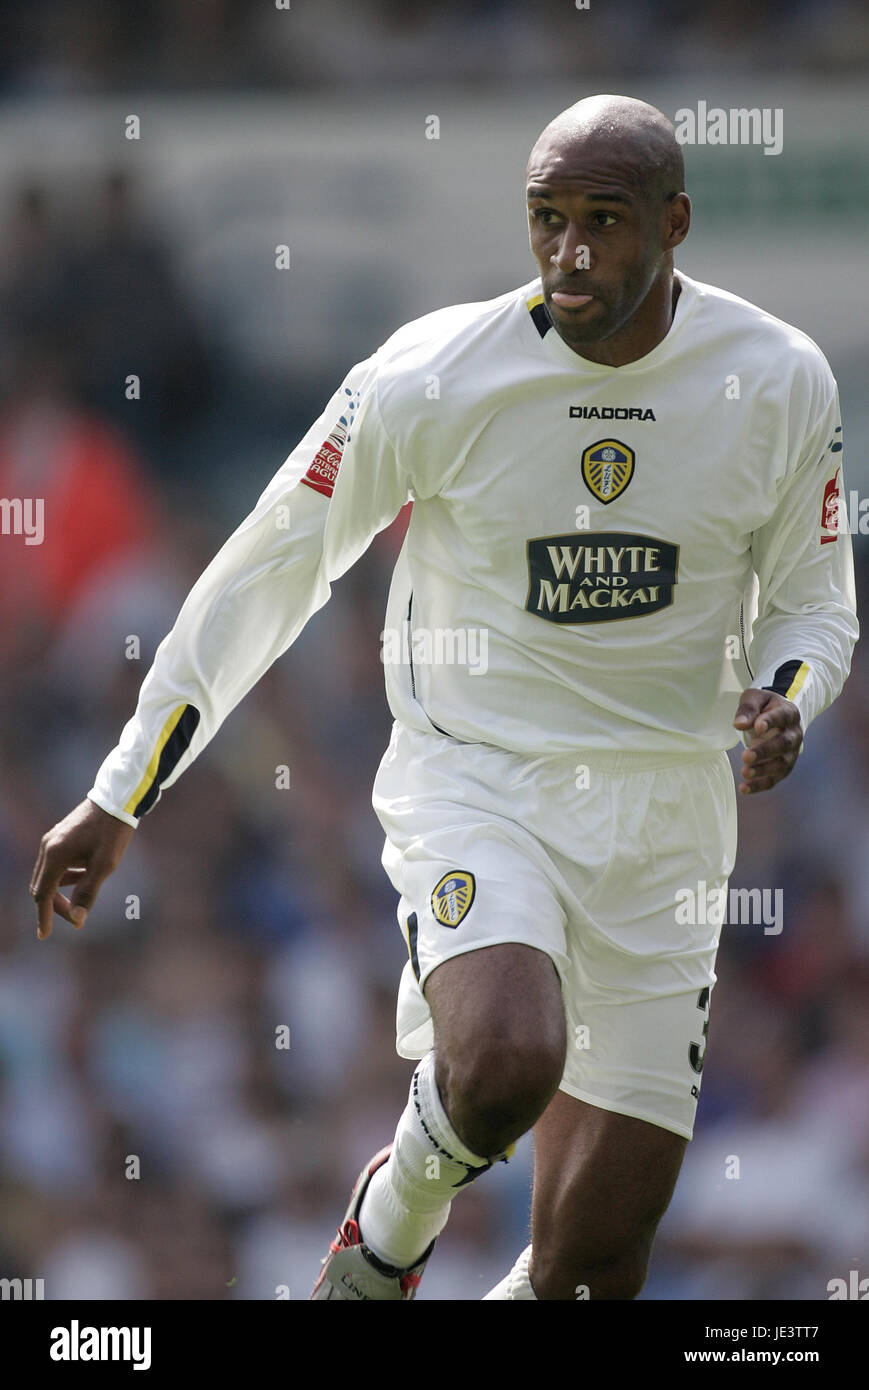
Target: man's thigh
602	1182
472	878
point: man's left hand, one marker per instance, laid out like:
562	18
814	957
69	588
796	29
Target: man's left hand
776	738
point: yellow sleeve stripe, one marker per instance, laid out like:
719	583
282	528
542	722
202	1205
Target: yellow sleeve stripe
151	769
798	681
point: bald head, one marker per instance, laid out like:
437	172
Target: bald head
635	138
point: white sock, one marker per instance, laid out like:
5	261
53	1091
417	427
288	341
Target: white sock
408	1199
517	1284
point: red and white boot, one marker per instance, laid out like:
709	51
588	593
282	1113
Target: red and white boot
353	1272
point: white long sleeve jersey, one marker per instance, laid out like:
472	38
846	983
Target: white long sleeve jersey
597	557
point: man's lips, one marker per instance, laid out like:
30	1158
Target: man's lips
565	300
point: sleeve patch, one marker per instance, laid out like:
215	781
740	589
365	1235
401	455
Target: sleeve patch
323	472
830	504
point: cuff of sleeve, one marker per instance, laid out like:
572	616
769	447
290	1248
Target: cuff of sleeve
787	680
793	681
105	805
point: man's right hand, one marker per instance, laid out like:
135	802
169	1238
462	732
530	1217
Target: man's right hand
83	848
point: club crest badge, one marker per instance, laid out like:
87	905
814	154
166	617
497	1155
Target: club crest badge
607	468
452	897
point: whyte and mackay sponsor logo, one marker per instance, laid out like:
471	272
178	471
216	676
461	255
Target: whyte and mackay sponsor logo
610	574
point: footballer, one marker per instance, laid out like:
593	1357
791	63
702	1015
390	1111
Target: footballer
627	481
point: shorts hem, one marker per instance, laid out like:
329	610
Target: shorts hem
674	1128
562	964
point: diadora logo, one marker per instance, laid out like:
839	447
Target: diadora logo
607	468
611	412
452	897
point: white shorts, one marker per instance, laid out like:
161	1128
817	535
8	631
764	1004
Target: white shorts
592	867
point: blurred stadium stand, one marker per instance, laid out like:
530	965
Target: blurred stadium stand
154	1036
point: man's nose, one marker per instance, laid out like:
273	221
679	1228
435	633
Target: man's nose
567	257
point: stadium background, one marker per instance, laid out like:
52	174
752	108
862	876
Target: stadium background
156	1037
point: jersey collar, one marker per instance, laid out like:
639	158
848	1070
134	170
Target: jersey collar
556	347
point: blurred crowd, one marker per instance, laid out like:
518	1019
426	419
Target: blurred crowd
157	1138
98	46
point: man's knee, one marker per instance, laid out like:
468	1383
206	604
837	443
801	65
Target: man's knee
500	1041
494	1089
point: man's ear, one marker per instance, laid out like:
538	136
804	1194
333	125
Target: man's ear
679	219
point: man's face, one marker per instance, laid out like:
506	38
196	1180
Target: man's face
579	198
